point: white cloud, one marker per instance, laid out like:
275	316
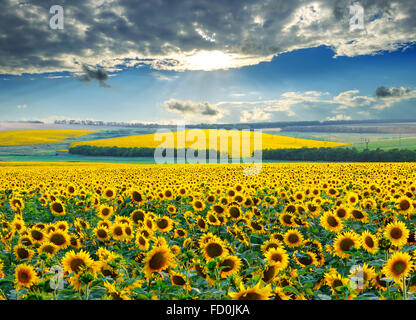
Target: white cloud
338	117
193	35
21	106
256	115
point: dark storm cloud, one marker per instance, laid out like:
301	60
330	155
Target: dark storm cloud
107	33
190	107
91	74
383	92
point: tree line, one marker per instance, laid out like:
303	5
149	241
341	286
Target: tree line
302	154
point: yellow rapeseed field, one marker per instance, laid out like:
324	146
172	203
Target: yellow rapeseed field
199	139
295	231
27	137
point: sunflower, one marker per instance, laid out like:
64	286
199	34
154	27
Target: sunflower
180	233
212	219
272	243
198	205
378	282
109	193
277	257
49	248
397	233
269	273
398	266
234	212
158	259
352	198
201	223
36	235
334	280
22	253
178	279
105	212
342	212
57	208
136	196
137	216
117	231
256	226
279	294
102	233
254	293
17	204
369	242
75	262
214	248
404	205
164	224
25	276
358	215
62	225
363	276
59	238
331	222
305	259
286	219
293	238
229	266
344	242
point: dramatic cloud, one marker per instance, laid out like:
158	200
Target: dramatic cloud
191	34
91	74
386	97
194	111
383	92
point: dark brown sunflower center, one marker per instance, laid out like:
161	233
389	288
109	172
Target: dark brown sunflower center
178	280
118	231
214	250
48	249
137	196
76	264
158	261
269	274
369	242
287	219
57	207
250	296
346	244
398	267
37	235
332	221
24	277
162	224
306	260
227	265
101	233
404	205
234	212
293	238
22	253
276	257
357	214
58	239
105	212
396	233
341	213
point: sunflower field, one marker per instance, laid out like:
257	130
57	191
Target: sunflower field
296	231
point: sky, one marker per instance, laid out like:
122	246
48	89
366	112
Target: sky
214	61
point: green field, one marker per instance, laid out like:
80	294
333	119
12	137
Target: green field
385	141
